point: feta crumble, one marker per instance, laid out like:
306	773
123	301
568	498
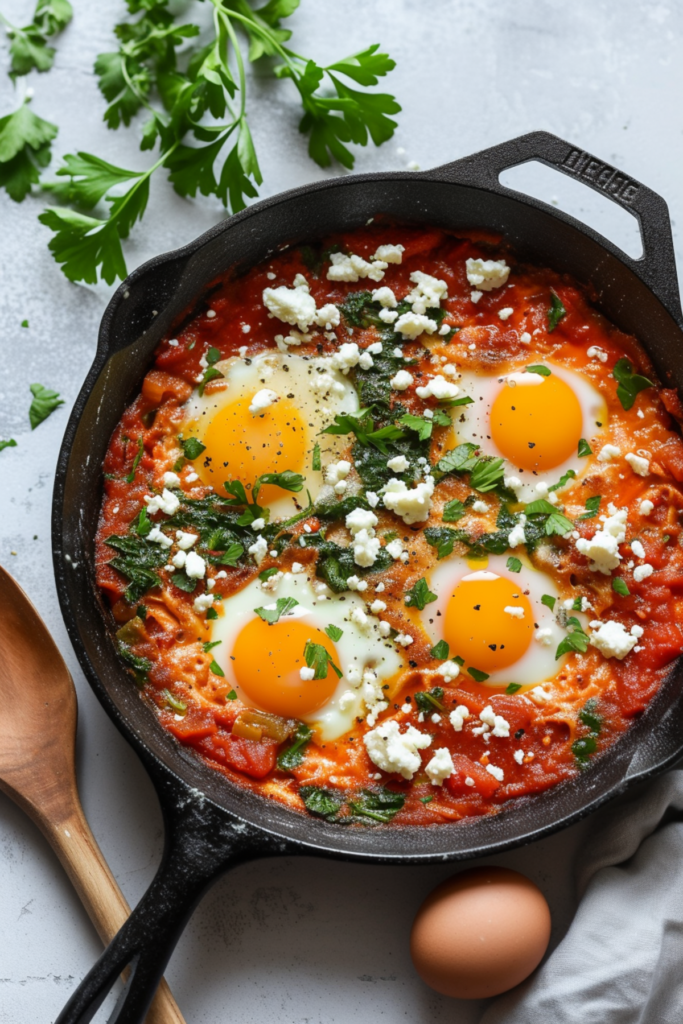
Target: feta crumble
401	380
440	767
411	504
641	572
293	306
603	546
612	639
195	566
487	274
262	400
166	502
608	452
393	751
412	325
427	293
505	313
450	670
497	773
398	464
351	268
458	716
646	507
390	253
438	387
171	480
639	465
514	611
595	352
202	603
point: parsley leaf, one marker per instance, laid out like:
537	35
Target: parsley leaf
44	403
216	669
555	523
564	479
25	141
583	748
177	705
428	701
136	462
440	650
334	632
378	805
316	464
592	507
192	448
443	539
514	564
273	615
292	756
28	46
589	716
486	474
317	658
138	561
543	371
458	460
548	601
629	383
556	311
323	803
576	640
11	443
419	595
584	448
477	675
513	688
453	511
210	373
620	586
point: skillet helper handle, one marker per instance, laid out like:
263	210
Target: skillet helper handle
202	843
107	907
656	267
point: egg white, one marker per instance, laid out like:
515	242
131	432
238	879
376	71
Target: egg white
287	375
538	663
358	648
473	423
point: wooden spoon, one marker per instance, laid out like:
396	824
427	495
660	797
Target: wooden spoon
37	766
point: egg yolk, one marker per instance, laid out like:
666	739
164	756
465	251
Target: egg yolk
267	661
240	446
483	625
537	424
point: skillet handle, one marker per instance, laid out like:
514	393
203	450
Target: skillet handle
656	267
202	843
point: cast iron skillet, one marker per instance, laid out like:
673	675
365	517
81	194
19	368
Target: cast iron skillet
212	825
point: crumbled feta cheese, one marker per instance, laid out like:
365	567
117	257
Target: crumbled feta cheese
612	639
262	400
384	628
498	725
258	549
173	342
347	700
475	296
638	464
366	362
210	313
378	606
171	480
360	519
191	477
603	547
513	483
324	383
595	352
608	452
178	560
166	502
337	471
195	566
328	316
355	583
203	602
365	548
542	490
480	506
372	499
393	751
517	535
346	357
544	636
398	353
450	670
390	253
388	316
505	313
458	716
497	773
469	781
306	673
395	549
271	584
487	274
293	306
157	536
427	293
525	338
411	504
646	507
540	695
514	611
637	549
519	756
401	380
412	325
351	268
404	639
641	572
398	464
258	524
440	767
360	619
438	387
385	297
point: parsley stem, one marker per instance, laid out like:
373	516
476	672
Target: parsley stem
240	63
140	97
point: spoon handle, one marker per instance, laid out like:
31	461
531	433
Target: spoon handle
84	863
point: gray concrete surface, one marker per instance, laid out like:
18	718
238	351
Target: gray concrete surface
290	941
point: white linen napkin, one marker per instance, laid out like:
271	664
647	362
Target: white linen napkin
621	962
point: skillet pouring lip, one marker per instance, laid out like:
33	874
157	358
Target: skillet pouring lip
642	294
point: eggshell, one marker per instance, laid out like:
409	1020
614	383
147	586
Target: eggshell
480	933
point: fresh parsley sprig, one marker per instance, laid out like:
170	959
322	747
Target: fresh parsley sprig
197	120
28	46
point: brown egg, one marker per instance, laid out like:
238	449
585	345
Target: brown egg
480	933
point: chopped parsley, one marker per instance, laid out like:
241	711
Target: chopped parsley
543	371
292	756
419	595
514	564
556	311
11	443
620	586
273	615
584	448
440	650
323	803
177	705
592	507
453	511
210	373
554	522
44	403
548	601
629	383
316	464
477	674
192	448
136	461
216	669
378	805
513	688
576	640
429	701
334	632
316	657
